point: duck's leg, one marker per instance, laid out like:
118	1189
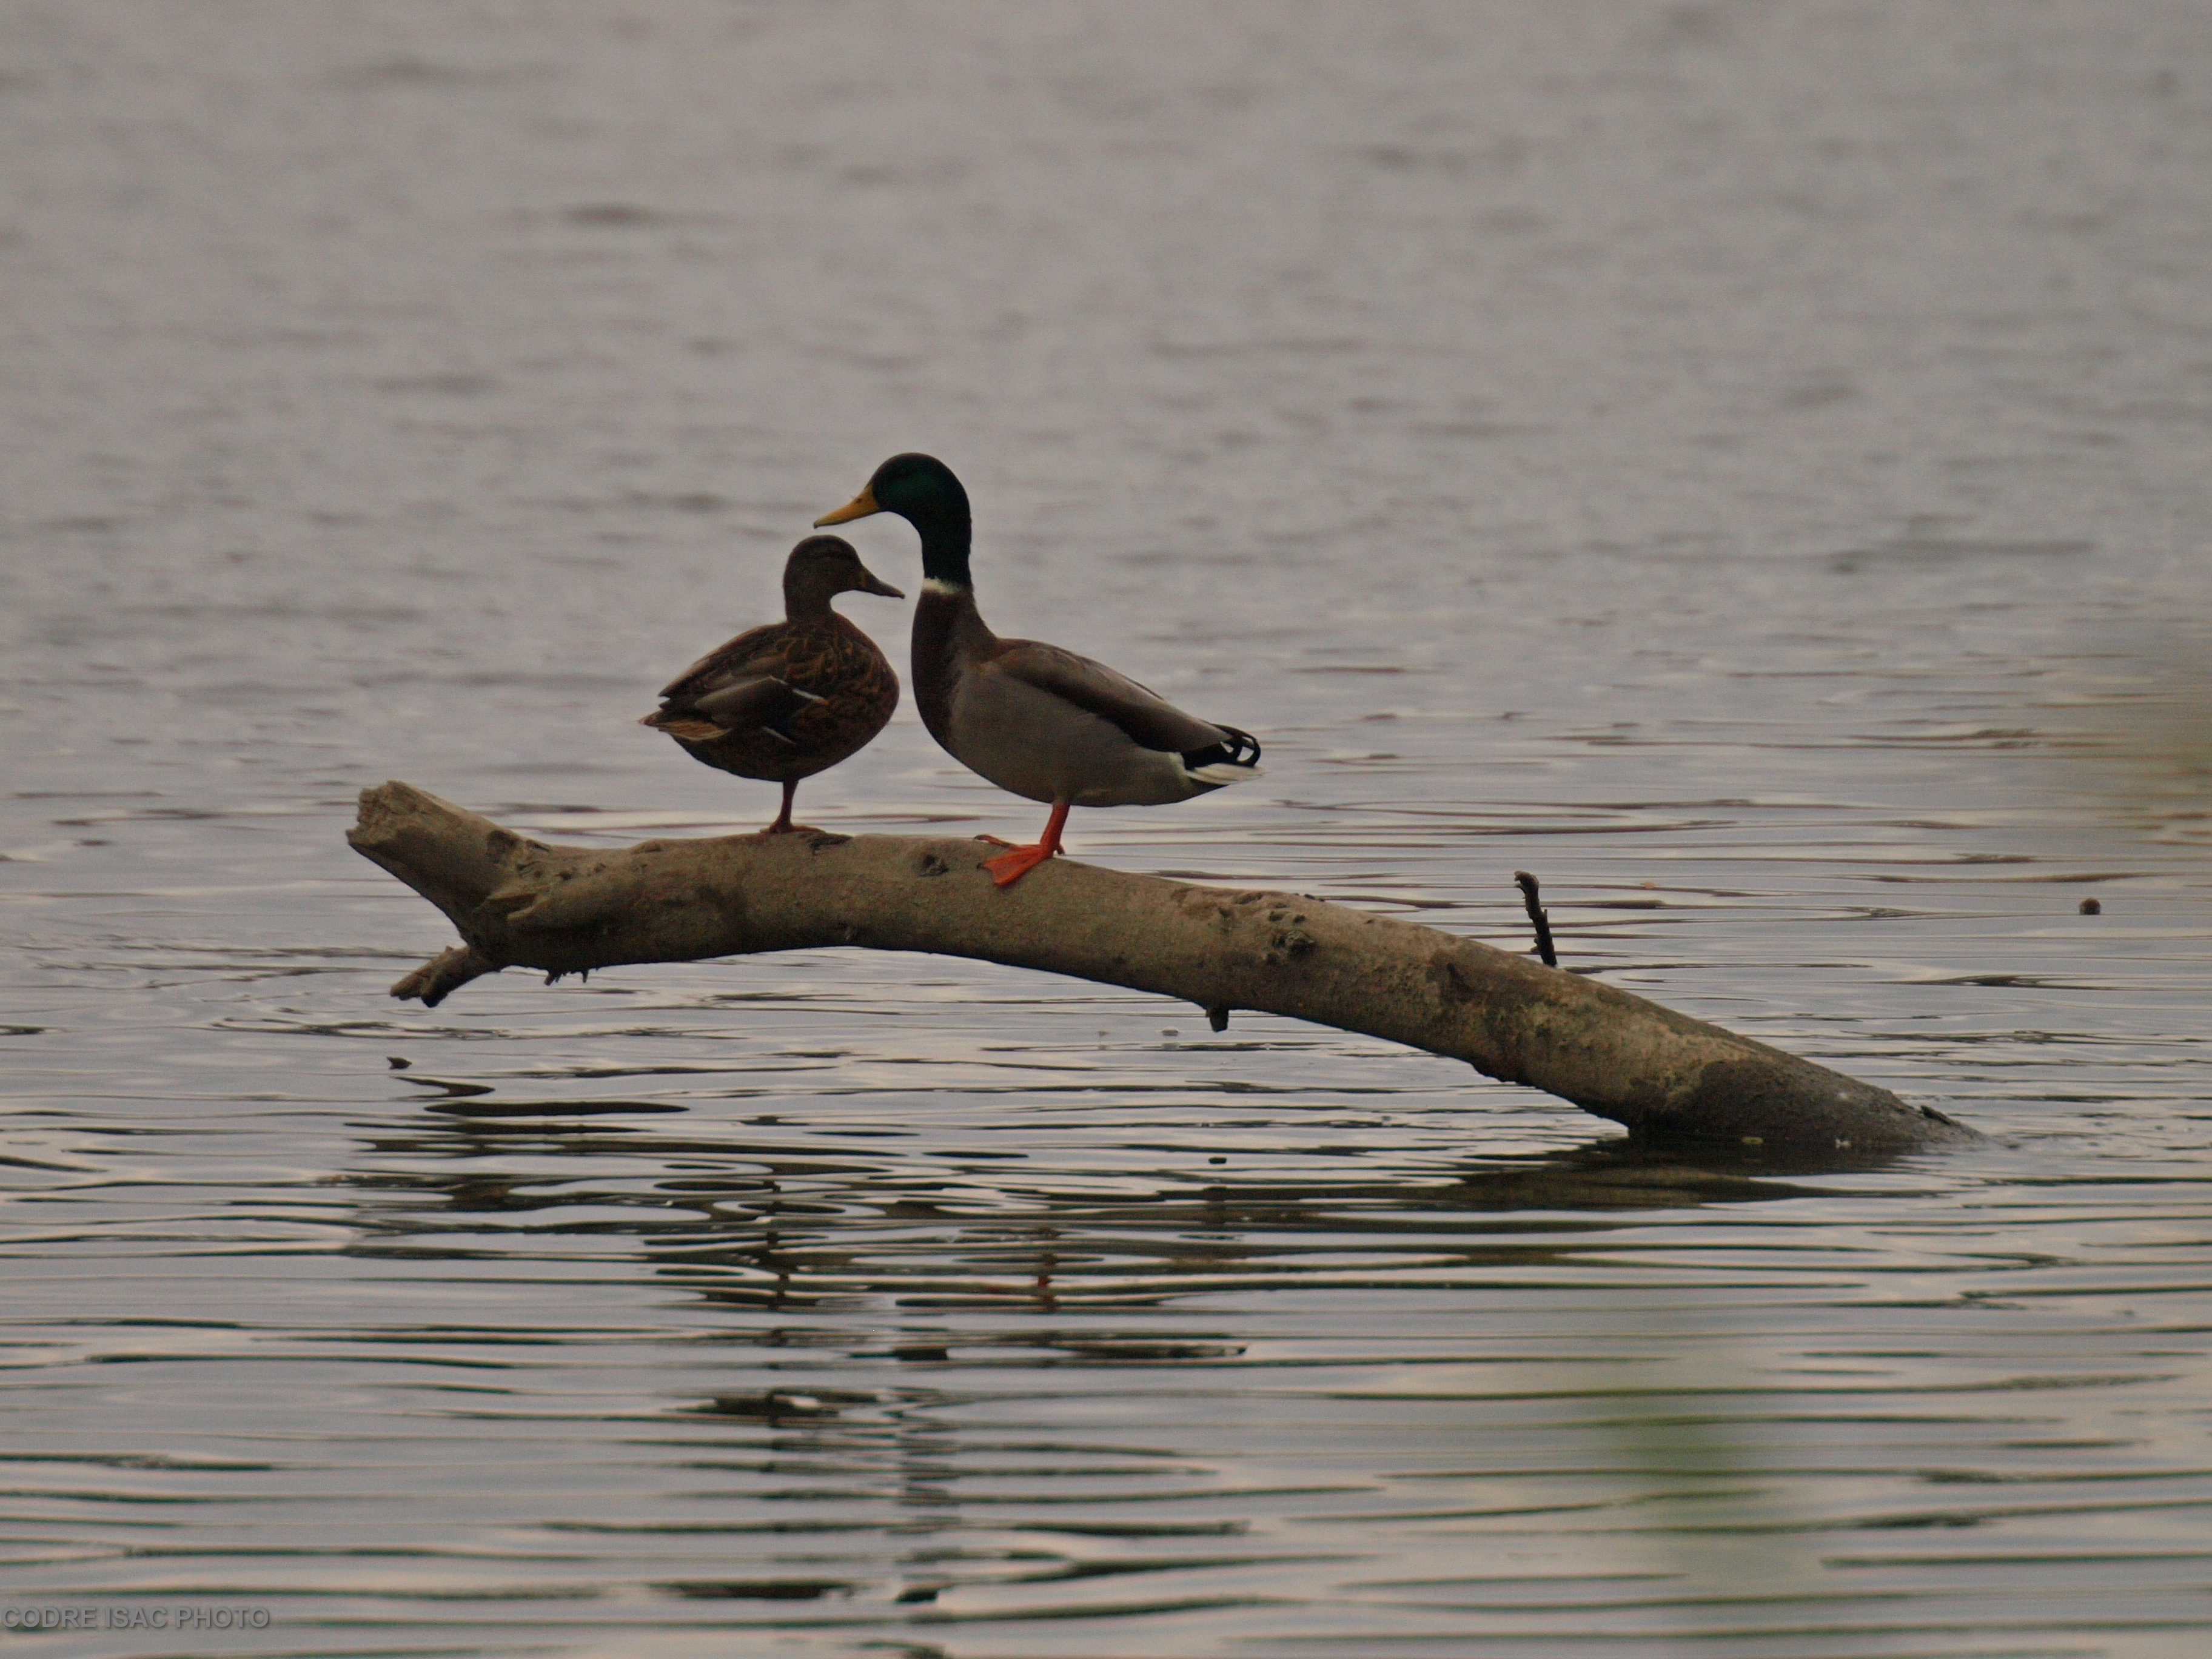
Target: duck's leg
1008	868
783	825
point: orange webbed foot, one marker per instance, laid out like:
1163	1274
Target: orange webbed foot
1008	868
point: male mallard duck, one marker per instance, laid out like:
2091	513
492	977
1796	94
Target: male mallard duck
793	698
1034	719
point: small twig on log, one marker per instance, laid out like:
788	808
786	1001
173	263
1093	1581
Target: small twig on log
561	909
1527	883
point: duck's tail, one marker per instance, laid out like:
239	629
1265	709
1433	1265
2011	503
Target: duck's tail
1229	762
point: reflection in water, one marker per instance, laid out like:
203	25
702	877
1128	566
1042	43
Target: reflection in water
1594	1394
809	1225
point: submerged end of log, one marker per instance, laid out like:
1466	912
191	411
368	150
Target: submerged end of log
519	902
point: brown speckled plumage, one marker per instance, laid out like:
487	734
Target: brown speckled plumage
783	701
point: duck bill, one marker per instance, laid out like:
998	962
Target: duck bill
872	583
859	507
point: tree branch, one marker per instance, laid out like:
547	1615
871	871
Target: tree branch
567	909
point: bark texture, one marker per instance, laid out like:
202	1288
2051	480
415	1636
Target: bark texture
519	902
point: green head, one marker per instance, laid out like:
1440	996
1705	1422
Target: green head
921	490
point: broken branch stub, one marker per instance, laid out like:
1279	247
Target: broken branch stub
519	902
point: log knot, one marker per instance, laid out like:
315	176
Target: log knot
1451	984
1289	941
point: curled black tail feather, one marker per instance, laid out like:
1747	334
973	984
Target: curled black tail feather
1242	748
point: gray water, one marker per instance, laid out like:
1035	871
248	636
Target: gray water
1745	463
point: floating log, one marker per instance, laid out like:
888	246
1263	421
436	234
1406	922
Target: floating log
519	902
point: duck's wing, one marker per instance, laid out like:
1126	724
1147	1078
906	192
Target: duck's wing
766	701
1142	715
763	704
754	653
742	685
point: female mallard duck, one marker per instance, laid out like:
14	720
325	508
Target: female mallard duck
793	698
1034	719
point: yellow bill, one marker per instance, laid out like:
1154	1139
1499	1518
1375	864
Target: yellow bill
859	507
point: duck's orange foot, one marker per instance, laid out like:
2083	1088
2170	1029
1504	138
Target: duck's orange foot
783	827
1008	868
995	840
